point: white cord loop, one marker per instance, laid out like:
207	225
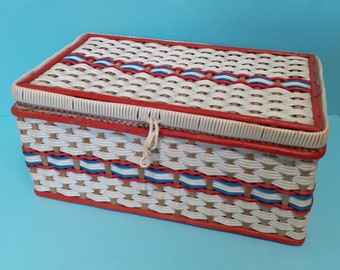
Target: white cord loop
150	143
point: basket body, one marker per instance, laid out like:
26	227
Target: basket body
138	126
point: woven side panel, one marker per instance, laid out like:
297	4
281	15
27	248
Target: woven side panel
173	201
176	154
264	193
102	166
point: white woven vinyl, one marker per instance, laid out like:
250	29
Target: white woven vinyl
155	176
169	200
205	59
275	102
177	154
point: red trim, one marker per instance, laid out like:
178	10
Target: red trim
181	219
268	148
232	116
162	168
316	94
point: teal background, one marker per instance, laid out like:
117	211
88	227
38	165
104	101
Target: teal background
37	233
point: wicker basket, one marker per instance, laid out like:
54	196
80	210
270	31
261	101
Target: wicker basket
219	137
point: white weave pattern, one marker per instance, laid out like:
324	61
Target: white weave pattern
177	154
239	98
205	59
170	200
155	176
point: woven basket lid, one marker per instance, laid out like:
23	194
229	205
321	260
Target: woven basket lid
265	96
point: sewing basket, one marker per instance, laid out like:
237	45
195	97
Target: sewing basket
219	137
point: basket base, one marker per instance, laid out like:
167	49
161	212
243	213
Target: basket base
181	219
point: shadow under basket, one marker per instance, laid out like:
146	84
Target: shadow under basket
219	137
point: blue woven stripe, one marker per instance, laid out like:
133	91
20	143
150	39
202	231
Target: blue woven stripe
230	184
76	58
299	197
294	83
162	70
31	164
192	178
132	67
272	201
61	167
259	80
29	154
55	163
158	180
193	73
189	181
226	77
264	200
115	168
228	193
104	62
268	191
299	208
92	171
